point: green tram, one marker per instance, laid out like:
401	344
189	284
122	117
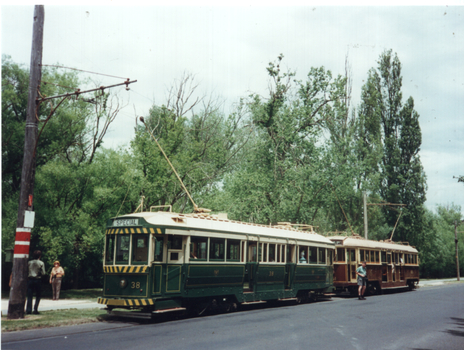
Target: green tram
156	262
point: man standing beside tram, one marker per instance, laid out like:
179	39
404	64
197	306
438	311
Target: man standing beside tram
361	271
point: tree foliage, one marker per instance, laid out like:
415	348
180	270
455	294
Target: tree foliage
300	154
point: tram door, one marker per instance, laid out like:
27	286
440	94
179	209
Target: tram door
290	265
158	247
351	255
250	267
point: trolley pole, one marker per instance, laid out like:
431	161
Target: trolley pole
23	234
365	213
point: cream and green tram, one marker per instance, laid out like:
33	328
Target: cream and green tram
155	262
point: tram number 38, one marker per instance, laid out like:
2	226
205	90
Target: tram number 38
135	285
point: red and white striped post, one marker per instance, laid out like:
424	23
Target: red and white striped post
22	243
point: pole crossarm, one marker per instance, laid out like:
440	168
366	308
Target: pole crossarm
400	205
79	92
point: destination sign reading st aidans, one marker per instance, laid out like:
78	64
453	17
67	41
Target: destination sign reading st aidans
126	222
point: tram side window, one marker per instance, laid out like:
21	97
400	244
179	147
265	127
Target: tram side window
279	252
366	252
396	257
352	255
313	255
377	257
233	250
362	255
389	258
303	255
322	256
198	248
216	251
122	249
139	249
252	251
331	256
341	255
372	256
384	257
272	252
264	252
174	242
158	241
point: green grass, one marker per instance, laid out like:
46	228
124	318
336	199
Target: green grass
54	318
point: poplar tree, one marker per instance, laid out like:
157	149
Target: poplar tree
402	178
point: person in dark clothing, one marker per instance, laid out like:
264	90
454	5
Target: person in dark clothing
34	282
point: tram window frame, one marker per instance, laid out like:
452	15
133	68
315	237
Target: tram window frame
312	257
322	253
252	251
217	243
243	253
272	252
140	251
199	248
303	249
278	253
389	258
372	256
377	256
158	248
384	257
290	253
361	255
331	253
352	255
341	257
265	251
120	251
110	249
233	243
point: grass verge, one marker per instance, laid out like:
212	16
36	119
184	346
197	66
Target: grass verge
54	318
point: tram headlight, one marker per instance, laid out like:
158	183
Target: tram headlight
123	283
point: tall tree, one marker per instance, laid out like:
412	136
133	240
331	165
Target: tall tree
280	177
402	179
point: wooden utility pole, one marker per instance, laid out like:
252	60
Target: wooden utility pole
456	224
23	234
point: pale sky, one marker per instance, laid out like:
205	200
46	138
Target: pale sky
228	50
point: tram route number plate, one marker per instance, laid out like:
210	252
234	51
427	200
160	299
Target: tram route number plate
126	222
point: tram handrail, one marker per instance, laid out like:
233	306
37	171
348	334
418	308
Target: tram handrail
161	206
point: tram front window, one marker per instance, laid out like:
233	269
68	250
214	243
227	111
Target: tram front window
109	256
122	249
139	249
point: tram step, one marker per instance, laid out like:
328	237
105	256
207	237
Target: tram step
254	302
130	314
169	310
287	299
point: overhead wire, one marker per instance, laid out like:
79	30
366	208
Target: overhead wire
81	70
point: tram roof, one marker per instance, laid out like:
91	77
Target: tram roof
212	223
360	242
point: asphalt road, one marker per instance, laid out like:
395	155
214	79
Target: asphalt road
429	318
